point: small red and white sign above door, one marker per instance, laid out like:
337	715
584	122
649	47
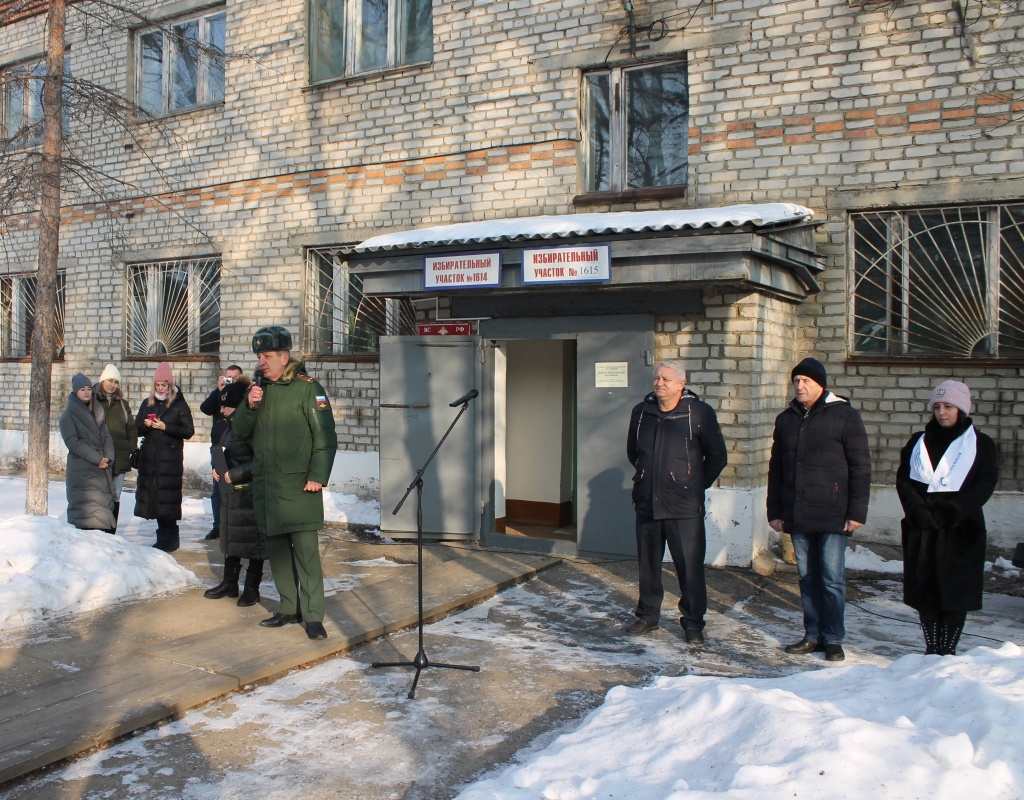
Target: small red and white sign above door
444	328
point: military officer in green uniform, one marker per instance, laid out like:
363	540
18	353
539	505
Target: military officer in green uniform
290	424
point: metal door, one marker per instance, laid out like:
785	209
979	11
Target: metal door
419	378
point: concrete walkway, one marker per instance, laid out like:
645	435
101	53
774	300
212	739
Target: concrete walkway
98	676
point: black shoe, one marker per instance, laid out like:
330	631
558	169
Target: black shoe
640	627
213	534
279	620
803	647
834	652
694	637
315	630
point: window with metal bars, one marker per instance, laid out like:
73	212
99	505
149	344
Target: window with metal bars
173	308
938	282
18	315
340	320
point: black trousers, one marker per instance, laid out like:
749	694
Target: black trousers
687	545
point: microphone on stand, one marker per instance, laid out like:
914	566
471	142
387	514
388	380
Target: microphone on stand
257	380
465	398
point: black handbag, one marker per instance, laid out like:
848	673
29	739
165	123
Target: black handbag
133	458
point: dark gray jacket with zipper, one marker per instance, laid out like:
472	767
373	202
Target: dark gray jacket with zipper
819	475
677	455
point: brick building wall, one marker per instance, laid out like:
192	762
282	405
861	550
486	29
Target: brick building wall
825	103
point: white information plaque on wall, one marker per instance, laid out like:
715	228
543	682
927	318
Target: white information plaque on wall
611	375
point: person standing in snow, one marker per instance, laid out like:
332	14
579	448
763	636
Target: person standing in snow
211	406
240	536
819	480
89	479
121	425
675	444
947	473
289	420
166	422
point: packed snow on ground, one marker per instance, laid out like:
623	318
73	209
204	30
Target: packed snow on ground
923	727
49	568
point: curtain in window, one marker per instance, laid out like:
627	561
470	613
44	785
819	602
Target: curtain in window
185	66
598	156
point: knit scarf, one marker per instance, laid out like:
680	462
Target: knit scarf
951	471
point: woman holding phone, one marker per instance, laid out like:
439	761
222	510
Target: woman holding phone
165	421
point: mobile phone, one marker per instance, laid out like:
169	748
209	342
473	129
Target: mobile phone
227	380
151	416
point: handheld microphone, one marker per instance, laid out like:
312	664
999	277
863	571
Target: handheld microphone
465	398
257	380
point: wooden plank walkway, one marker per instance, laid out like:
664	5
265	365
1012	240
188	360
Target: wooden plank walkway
94	678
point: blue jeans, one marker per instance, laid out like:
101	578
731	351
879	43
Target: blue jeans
821	562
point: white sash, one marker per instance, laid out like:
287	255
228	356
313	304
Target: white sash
952	469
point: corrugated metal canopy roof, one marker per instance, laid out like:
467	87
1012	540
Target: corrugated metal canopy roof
573	225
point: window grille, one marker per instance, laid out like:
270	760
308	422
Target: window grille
173	308
938	282
18	315
340	320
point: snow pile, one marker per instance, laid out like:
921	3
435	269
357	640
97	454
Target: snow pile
860	558
923	727
49	568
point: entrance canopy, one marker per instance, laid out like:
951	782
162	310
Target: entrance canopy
768	246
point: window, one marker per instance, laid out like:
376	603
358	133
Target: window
174	308
21	113
939	282
340	319
18	315
181	66
349	37
637	123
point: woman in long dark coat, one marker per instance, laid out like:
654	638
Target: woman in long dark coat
166	422
88	478
120	423
947	473
240	537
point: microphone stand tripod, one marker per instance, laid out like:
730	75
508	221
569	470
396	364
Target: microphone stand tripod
421	661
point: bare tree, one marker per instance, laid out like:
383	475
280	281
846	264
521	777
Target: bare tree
35	180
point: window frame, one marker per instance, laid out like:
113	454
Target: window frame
886	305
618	133
333	299
173	327
170	50
397	24
17	315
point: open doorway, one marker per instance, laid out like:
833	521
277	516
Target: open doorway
539	439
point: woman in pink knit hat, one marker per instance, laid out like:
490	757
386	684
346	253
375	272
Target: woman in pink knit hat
165	421
946	475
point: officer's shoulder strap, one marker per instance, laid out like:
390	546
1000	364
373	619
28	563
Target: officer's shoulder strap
305	378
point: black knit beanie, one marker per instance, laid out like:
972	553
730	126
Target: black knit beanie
813	369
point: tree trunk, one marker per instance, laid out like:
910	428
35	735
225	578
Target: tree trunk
46	276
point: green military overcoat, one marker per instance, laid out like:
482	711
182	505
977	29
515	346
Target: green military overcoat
294	441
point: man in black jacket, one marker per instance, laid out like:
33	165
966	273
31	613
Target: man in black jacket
819	479
676	446
211	407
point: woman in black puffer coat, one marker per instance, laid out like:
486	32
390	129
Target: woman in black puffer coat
166	422
88	479
946	475
240	537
